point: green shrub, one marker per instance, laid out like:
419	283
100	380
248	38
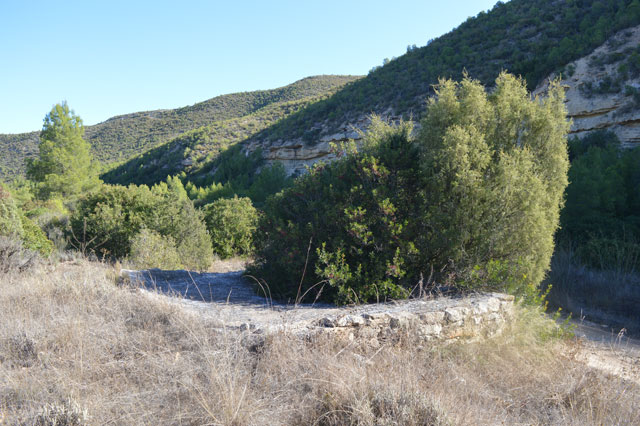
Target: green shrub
14	224
10	223
107	221
496	170
231	224
480	187
347	227
34	237
151	250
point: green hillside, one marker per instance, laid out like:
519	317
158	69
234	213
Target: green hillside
122	137
530	38
195	151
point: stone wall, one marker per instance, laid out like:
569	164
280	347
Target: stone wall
440	319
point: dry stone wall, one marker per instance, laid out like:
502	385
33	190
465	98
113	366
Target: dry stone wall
228	301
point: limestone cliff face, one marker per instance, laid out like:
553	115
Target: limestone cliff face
297	154
603	89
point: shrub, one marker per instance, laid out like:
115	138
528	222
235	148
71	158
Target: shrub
34	238
107	221
10	223
349	224
480	186
496	170
231	224
15	225
151	250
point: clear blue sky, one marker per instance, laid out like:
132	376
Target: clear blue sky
114	57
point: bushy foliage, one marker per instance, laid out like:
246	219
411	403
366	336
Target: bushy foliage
107	221
231	224
496	169
34	238
244	180
349	224
480	186
149	249
10	223
64	166
15	225
602	214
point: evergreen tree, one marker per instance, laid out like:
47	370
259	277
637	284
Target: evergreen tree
65	166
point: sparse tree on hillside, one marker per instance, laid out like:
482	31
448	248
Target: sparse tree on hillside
65	166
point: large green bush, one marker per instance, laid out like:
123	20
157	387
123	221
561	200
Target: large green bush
479	189
152	250
496	170
231	224
107	221
34	238
347	227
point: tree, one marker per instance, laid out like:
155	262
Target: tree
65	166
496	170
231	224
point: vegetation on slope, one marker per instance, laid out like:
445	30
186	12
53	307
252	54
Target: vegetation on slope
196	152
122	137
530	38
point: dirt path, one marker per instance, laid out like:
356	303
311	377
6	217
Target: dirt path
227	299
602	348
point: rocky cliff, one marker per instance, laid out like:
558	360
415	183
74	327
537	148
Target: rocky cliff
603	88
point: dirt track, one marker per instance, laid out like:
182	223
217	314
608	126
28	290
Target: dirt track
228	298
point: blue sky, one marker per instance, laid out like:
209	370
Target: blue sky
114	57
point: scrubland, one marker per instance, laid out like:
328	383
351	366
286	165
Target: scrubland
78	348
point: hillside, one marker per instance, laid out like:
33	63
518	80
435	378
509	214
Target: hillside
197	149
602	89
531	38
122	137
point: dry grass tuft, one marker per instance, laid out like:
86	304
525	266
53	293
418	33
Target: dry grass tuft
77	349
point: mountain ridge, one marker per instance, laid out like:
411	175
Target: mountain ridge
123	136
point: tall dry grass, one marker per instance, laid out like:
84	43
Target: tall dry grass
77	349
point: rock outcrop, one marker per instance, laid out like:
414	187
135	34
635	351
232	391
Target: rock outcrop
296	154
602	89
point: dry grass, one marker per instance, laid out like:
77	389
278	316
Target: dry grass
75	349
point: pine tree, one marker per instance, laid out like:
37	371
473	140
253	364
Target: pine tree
65	166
